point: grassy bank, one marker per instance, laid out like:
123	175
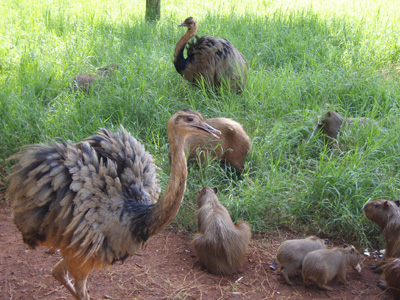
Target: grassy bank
305	58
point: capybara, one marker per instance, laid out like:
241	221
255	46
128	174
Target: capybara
232	147
291	253
220	245
83	82
332	124
386	214
323	265
391	273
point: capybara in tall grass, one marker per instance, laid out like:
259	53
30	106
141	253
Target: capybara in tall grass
391	273
291	253
232	147
83	82
321	266
332	125
220	245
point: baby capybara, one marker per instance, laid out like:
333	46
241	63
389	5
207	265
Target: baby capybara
83	82
291	253
386	214
232	147
323	265
332	124
220	245
391	274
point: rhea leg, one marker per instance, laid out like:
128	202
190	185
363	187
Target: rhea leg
60	273
80	271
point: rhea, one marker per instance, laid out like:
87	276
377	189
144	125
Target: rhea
214	59
96	200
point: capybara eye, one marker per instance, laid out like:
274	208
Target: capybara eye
376	205
190	119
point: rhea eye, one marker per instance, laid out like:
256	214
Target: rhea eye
190	119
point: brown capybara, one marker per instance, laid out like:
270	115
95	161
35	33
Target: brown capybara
386	214
332	124
220	245
232	147
391	273
323	265
83	82
291	253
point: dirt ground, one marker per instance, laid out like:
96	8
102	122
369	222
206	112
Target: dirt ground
166	269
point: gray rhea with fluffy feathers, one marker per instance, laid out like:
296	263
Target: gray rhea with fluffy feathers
64	187
96	200
215	59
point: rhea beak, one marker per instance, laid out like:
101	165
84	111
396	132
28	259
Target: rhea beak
183	25
214	132
209	129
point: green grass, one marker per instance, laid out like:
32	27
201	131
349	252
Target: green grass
305	57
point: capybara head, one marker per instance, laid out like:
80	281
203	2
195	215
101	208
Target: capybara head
108	70
380	211
354	257
314	238
206	194
331	124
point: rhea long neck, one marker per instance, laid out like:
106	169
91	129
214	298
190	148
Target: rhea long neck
168	206
180	47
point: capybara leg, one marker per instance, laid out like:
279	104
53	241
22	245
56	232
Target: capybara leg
306	281
325	287
377	268
60	273
342	277
382	284
285	276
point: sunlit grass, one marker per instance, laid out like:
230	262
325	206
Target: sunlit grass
305	57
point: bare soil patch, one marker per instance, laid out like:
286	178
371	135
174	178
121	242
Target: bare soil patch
166	269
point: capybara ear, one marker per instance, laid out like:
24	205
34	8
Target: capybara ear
328	114
397	202
326	242
386	204
352	250
345	246
215	190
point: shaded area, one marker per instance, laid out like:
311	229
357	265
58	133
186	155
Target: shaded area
166	269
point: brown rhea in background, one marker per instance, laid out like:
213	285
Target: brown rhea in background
214	59
94	200
323	265
220	245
